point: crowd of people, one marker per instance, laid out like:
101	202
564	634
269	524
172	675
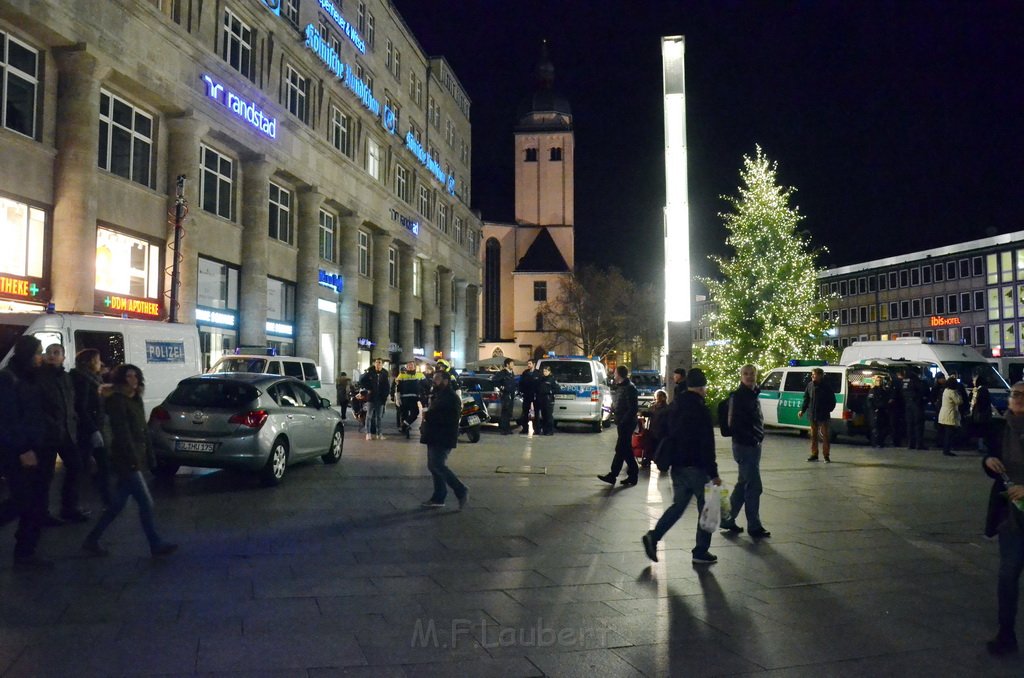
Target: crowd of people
94	422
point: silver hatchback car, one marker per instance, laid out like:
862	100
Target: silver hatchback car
257	422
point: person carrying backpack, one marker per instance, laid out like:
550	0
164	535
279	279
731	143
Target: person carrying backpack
745	425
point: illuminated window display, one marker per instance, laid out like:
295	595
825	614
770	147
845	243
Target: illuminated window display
22	230
217	309
126	265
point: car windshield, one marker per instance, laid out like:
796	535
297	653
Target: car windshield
647	380
470	383
967	371
212	393
570	371
227	365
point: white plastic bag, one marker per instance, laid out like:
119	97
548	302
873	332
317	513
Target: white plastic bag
716	504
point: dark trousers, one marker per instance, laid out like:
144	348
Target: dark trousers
29	488
444	477
529	401
129	485
505	419
915	427
343	405
546	414
102	478
410	409
1011	564
687	483
624	451
74	460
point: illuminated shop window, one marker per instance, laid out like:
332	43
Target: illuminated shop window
236	45
126	139
19	79
127	265
22	232
217	285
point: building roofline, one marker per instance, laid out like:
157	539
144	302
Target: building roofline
957	248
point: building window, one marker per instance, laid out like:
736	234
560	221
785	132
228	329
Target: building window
327	233
979	300
361	17
883	311
492	290
396	68
940	305
926	274
371	31
341	131
364	253
449	133
23	233
950	270
893	280
280	213
872	311
904	278
965	268
424	201
366	321
127	265
433	113
402	182
863	314
539	324
373	156
236	48
965	302
442	217
388	49
905	309
993	303
940	272
417	283
915	308
1006	266
457	223
540	290
416	89
842	288
216	192
862	285
531	155
928	306
951	304
126	140
979	335
556	155
844	316
881	282
19	78
915	276
968	335
290	11
296	93
978	266
392	267
894	310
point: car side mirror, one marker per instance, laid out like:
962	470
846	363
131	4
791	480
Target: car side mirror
325	404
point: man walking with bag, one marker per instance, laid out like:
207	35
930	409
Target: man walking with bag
692	463
746	425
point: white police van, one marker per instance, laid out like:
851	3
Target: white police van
584	394
165	352
269	362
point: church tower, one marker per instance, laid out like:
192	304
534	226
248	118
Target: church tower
526	263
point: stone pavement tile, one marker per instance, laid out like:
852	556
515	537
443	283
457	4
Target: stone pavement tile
510	667
94	609
491	581
357	672
406	585
687	655
584	664
454	603
569	614
543	635
187	588
431	568
512	545
425	642
337	607
313	586
263	566
283	673
122	657
255	615
286	648
590	574
921	663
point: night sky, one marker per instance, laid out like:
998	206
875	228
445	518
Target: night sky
900	124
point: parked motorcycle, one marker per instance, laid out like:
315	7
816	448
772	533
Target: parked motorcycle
473	417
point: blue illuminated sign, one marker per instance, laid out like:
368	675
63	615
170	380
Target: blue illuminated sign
348	29
389	120
335	65
332	281
273	5
243	109
326	53
410	225
434	167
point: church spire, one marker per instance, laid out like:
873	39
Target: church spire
545	69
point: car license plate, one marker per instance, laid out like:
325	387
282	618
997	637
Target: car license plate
194	446
565	396
472	420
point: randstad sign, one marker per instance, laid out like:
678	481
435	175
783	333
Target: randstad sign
245	110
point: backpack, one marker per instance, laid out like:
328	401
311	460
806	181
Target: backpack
723	417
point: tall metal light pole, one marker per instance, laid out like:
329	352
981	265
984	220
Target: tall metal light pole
678	349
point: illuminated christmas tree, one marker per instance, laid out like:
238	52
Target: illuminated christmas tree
768	307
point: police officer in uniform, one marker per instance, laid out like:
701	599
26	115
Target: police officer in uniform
505	381
547	387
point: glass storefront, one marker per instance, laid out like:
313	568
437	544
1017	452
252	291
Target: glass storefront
281	316
216	309
127	275
23	234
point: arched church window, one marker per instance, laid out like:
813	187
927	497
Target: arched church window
492	290
556	154
531	155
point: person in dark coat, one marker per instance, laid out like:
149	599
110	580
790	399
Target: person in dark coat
692	465
343	385
1006	468
897	422
915	399
658	428
85	377
25	460
547	387
528	388
626	411
440	433
878	409
819	400
129	454
62	432
678	382
375	381
505	381
980	416
746	423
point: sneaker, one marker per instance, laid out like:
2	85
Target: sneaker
369	436
731	526
650	546
629	481
760	533
93	548
812	458
828	460
705	558
463	499
31	563
1001	645
75	516
380	436
606	478
430	503
163	550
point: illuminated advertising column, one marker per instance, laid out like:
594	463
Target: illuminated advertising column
678	350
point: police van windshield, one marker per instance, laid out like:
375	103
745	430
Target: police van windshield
646	380
570	371
254	365
966	371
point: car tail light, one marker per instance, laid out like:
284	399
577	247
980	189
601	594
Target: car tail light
847	414
595	396
491	397
159	414
252	419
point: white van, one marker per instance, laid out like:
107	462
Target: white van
303	369
584	395
963	361
165	352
